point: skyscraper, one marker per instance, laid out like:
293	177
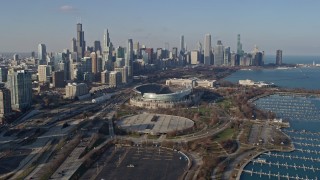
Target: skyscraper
257	57
43	72
218	54
174	52
149	51
279	57
5	101
227	56
20	85
15	57
194	57
207	49
136	49
80	43
120	52
129	58
3	74
94	63
239	47
58	79
42	52
199	46
97	46
107	51
73	45
106	39
182	45
160	53
32	54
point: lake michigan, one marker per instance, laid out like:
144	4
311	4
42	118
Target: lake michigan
303	113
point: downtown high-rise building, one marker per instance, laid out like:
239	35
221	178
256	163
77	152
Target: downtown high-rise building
20	85
5	101
129	58
279	57
159	53
42	52
106	39
73	45
97	46
207	50
3	73
227	56
94	62
257	57
182	45
194	56
219	54
107	51
120	52
16	57
43	72
239	47
136	49
174	52
58	79
80	43
199	47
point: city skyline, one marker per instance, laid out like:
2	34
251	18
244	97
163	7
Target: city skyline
271	26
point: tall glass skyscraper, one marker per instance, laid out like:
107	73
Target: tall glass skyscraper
20	85
239	47
42	52
218	54
106	39
227	56
207	49
129	58
279	57
80	43
182	45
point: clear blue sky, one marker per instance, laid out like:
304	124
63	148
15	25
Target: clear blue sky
291	25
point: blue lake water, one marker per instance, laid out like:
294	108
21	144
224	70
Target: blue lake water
287	59
303	113
307	78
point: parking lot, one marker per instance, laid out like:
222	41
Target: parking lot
144	163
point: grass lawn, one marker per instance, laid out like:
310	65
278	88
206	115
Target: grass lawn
224	135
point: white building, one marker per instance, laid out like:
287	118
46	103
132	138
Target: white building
115	79
195	57
194	82
249	82
43	72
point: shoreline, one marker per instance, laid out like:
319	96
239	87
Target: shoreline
275	150
256	155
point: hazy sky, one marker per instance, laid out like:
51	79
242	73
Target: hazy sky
291	25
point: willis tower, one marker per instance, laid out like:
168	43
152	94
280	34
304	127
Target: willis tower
80	43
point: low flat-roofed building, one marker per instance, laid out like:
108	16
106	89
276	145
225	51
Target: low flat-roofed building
193	82
249	82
